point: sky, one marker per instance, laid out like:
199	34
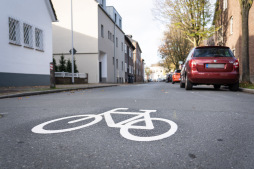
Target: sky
138	21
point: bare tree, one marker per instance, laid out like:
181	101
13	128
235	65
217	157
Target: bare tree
245	8
175	47
193	17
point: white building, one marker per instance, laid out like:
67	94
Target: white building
158	72
26	42
97	36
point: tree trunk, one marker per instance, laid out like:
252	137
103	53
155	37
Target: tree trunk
245	46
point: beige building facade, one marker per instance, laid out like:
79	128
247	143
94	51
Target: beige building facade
96	37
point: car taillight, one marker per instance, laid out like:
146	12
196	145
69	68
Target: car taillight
236	65
192	64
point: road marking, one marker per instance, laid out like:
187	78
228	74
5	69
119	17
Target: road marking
126	134
124	125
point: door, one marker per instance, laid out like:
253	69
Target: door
100	73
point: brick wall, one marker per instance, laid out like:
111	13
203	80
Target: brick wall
233	40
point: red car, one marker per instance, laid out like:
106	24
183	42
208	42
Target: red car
210	65
176	76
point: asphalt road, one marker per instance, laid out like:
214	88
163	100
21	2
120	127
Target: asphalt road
202	128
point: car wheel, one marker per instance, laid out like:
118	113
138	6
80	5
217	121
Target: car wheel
216	87
173	82
188	84
182	85
234	87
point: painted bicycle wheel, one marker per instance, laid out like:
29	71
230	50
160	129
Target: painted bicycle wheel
126	134
40	128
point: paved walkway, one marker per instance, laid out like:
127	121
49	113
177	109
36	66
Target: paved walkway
8	92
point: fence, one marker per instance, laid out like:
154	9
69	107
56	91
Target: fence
66	74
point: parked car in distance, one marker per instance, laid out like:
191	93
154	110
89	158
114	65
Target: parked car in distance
176	76
210	65
169	78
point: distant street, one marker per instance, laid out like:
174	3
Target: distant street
174	128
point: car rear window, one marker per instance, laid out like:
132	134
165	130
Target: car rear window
213	52
177	71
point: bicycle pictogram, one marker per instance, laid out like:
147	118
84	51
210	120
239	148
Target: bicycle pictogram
125	125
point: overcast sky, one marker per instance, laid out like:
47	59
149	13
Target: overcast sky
139	22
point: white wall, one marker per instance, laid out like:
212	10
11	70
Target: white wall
85	16
103	60
105	44
85	33
91	67
18	59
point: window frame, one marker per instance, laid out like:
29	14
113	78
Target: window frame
28	35
231	25
40	45
14	33
102	31
225	4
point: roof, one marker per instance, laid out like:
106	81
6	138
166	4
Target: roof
129	41
51	10
134	41
211	47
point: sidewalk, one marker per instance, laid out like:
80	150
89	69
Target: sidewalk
246	90
9	92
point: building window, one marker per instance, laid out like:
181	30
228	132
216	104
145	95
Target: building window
116	42
225	4
28	35
38	39
233	50
122	65
231	25
14	31
122	45
130	52
125	48
120	23
102	3
113	38
117	63
125	67
102	31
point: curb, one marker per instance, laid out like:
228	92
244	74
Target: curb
251	91
51	91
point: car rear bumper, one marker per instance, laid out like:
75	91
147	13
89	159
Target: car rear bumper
222	78
176	78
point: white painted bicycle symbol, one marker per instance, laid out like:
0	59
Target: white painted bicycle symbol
124	126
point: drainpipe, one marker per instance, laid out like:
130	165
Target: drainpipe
128	63
72	66
114	52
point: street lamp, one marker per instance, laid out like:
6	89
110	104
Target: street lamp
72	68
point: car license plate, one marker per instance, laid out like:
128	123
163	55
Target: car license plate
220	66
